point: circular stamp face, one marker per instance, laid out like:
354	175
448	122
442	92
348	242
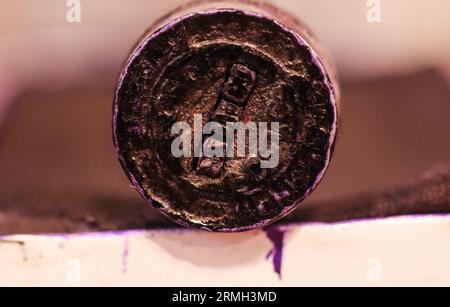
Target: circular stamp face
224	120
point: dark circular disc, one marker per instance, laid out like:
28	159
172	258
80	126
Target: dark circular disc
227	65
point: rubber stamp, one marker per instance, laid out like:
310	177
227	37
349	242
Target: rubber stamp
254	82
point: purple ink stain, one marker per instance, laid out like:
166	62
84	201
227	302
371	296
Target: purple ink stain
125	253
276	236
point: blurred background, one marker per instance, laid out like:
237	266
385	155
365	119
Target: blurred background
58	168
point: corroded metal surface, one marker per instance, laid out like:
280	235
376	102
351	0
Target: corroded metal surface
228	65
